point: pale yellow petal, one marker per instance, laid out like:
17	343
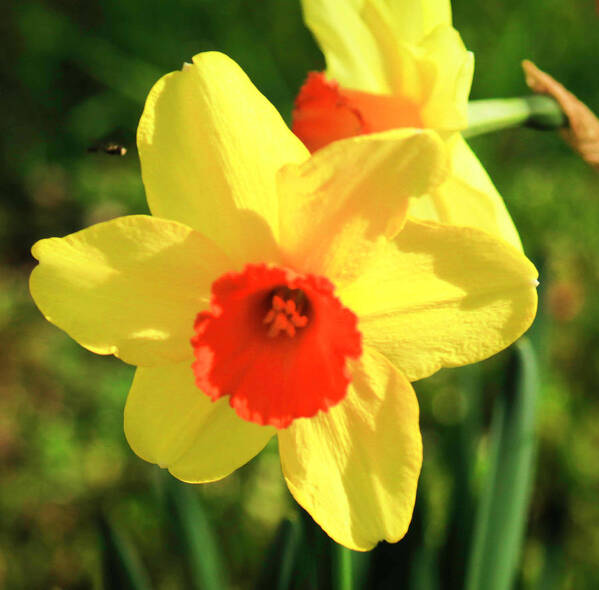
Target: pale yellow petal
352	52
467	197
131	287
413	20
451	68
355	468
169	421
442	296
210	146
435	74
349	193
361	39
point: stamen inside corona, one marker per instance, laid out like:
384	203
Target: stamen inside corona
287	312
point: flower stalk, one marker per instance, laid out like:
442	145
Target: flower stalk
501	516
495	114
342	568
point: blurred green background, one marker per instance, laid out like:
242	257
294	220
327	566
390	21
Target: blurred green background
76	74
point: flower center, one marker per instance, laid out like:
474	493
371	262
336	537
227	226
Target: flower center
287	312
277	343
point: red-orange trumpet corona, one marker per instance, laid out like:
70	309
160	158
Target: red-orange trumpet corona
275	342
325	112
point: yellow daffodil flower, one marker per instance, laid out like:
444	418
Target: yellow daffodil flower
310	300
400	63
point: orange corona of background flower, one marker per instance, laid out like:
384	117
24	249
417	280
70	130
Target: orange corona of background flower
274	293
400	63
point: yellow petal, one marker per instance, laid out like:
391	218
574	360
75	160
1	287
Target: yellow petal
434	74
210	146
355	468
452	68
442	296
467	197
351	50
415	19
131	287
360	38
349	193
169	421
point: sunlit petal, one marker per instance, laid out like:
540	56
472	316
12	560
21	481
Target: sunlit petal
210	146
169	421
356	467
442	296
130	287
467	197
349	193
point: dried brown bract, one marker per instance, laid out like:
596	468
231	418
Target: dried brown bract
583	131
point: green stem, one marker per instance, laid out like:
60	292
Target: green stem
502	513
121	565
280	563
537	111
198	542
342	568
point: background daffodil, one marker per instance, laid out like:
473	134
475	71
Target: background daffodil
310	299
400	63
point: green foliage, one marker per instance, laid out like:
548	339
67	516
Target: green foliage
194	533
503	504
281	558
121	566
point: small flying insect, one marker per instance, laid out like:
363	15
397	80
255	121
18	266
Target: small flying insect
112	149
